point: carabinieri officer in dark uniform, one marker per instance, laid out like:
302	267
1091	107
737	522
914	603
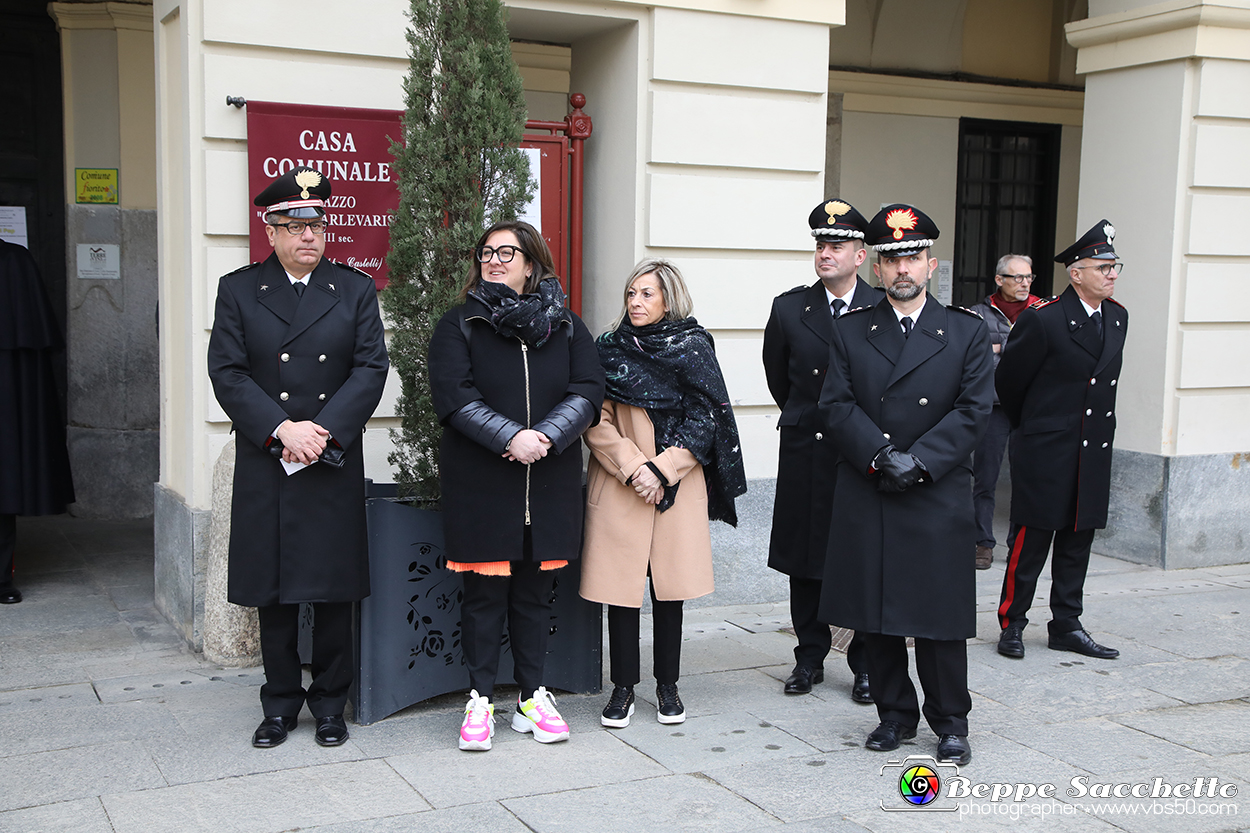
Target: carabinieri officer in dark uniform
298	362
1057	382
909	393
796	359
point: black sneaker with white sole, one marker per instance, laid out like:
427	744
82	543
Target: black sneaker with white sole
620	707
669	708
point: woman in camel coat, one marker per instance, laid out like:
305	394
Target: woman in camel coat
664	460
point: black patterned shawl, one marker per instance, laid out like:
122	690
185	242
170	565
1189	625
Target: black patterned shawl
532	317
669	368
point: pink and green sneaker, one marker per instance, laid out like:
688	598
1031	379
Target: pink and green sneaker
538	715
479	724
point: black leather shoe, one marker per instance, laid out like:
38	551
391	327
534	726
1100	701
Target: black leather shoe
887	736
331	731
954	748
10	595
668	707
272	731
1080	642
1011	642
860	692
620	707
802	678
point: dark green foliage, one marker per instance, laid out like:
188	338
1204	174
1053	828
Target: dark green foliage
458	167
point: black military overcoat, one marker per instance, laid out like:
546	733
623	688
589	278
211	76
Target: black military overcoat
273	356
1057	381
901	564
796	360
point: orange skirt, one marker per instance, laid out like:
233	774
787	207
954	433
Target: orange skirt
498	568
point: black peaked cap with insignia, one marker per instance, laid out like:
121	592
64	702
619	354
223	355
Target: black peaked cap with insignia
901	229
836	219
300	193
1095	243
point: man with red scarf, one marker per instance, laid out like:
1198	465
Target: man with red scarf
1014	276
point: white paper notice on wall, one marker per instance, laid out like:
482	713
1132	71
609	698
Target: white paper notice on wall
13	224
532	213
99	262
943	283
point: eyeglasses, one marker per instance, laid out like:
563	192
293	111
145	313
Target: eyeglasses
296	227
506	253
1019	278
1105	268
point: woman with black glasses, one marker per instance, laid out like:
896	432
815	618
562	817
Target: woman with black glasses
515	380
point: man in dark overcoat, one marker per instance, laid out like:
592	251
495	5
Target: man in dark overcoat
909	392
297	361
796	360
34	474
1057	381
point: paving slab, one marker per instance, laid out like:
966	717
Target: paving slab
39	699
713	741
1205	680
518	766
86	815
1102	746
269	802
1213	728
693	802
489	817
68	774
69	727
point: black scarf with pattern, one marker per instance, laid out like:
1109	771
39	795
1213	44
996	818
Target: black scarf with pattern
532	317
669	368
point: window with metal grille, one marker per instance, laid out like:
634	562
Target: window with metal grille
1008	186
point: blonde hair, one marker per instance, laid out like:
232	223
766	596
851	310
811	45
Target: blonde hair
672	289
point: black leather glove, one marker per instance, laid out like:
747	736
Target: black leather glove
483	424
899	470
567	421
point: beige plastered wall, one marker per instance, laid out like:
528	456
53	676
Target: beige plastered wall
694	150
1173	176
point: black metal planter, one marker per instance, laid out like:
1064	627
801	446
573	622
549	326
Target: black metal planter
409	627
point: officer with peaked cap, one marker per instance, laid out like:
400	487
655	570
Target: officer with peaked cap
909	392
298	362
1057	382
796	358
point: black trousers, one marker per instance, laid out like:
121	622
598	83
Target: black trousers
1027	548
814	636
8	543
333	659
943	669
987	463
524	598
624	633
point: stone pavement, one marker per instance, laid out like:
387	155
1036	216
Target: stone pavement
108	723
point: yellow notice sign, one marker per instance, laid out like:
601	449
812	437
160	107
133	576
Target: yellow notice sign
95	185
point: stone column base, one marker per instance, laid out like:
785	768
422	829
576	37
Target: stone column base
1178	512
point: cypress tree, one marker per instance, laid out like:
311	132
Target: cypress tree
459	168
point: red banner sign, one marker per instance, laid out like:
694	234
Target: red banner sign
351	147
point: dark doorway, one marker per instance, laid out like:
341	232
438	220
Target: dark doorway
32	144
1008	186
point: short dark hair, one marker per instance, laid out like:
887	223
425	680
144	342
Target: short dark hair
533	247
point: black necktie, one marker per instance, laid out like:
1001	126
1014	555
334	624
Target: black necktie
838	306
299	289
906	327
1097	319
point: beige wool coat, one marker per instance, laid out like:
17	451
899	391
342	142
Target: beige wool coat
624	534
